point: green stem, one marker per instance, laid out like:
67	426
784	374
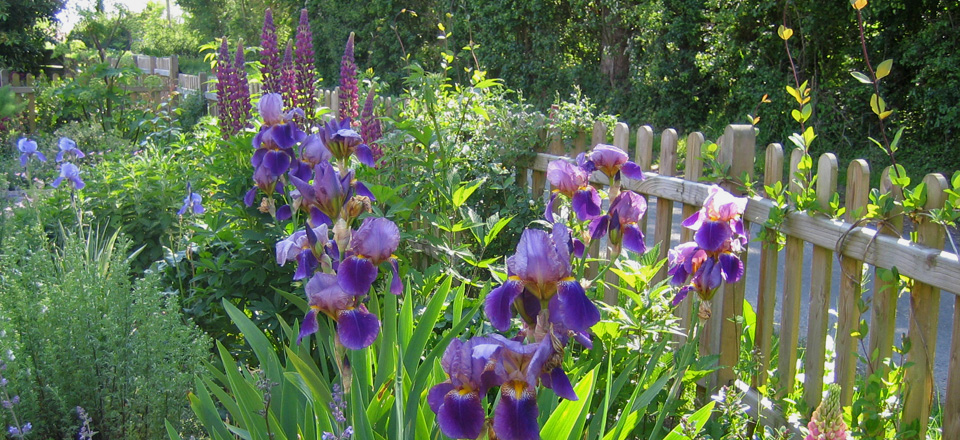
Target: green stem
687	354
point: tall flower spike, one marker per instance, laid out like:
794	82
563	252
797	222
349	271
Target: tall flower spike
826	423
224	72
370	129
240	101
270	55
288	77
349	98
306	73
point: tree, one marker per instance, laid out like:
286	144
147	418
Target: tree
24	30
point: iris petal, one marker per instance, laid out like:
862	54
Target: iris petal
437	393
560	384
579	313
461	415
357	328
309	326
586	203
633	238
732	267
516	416
548	211
355	275
711	235
498	303
365	154
632	170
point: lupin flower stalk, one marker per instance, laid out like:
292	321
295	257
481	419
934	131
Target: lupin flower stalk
224	72
349	96
288	77
827	421
306	73
370	128
270	55
240	100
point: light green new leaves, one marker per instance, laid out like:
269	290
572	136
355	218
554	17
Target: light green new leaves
568	419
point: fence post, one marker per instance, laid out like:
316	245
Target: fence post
792	282
32	102
3	77
152	65
174	66
621	140
848	309
202	88
951	410
820	276
663	228
741	142
769	257
924	303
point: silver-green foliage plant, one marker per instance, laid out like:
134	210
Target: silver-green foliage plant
78	331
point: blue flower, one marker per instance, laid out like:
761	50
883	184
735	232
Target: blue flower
68	146
192	200
28	147
70	172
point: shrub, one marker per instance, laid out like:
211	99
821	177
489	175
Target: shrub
79	332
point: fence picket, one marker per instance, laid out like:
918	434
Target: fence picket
644	158
924	302
664	223
769	256
820	276
692	170
848	302
792	282
951	410
621	140
885	291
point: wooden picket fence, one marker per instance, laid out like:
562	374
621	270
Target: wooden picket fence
931	269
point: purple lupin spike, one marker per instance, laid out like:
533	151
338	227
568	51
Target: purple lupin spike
270	55
241	91
306	72
224	72
370	129
288	78
349	97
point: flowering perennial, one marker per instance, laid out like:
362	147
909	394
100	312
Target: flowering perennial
349	96
270	55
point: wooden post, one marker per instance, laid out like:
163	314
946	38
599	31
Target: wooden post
32	103
792	283
885	292
599	134
693	168
152	67
174	66
664	222
925	304
202	79
769	257
820	276
741	142
4	73
621	136
848	309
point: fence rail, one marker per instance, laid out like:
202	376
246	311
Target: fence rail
931	269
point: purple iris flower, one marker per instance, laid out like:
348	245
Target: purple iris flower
307	247
622	222
372	244
342	141
718	223
573	182
519	368
541	267
324	198
192	200
458	402
70	172
313	150
356	326
278	127
28	147
68	146
611	161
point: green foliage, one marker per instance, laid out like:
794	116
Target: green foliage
24	31
79	331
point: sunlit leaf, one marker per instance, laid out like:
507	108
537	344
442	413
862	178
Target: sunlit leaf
784	32
884	68
861	77
858	4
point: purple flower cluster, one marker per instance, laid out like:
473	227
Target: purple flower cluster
703	264
349	95
270	55
305	71
233	91
16	430
337	406
288	77
340	269
370	128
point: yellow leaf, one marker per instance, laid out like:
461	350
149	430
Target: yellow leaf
797	116
766	98
884	68
885	114
875	104
756	120
805	100
858	4
794	93
784	32
440	26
